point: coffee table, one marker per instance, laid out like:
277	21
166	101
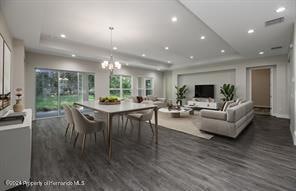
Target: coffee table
176	113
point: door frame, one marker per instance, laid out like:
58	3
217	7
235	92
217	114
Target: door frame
271	93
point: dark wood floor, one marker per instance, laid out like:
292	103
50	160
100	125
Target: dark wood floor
261	158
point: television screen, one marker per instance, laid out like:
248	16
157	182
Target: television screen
204	91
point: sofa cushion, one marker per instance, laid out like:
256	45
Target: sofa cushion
213	114
235	113
153	98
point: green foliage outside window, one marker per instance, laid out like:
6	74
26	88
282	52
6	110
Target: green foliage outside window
120	86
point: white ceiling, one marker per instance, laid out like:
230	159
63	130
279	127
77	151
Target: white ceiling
144	26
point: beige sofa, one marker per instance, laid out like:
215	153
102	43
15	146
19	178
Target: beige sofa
160	102
228	123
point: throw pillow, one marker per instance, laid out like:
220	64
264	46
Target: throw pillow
223	106
226	105
242	101
140	99
232	104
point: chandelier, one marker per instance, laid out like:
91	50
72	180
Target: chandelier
111	64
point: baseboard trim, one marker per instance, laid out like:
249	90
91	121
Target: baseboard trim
281	116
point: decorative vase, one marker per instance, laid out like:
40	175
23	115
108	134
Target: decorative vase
18	107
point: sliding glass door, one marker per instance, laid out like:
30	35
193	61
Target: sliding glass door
57	88
46	93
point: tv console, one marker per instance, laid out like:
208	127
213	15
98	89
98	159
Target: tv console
202	105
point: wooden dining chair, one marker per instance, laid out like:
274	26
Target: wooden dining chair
84	126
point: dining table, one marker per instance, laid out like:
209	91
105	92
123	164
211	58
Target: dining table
122	108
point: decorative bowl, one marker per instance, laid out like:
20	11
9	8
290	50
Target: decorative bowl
109	103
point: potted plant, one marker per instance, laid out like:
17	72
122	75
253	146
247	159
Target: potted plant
227	90
181	93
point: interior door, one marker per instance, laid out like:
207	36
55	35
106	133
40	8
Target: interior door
261	88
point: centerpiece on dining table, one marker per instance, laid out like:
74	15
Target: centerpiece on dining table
109	100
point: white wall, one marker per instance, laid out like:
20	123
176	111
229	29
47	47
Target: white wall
18	67
167	84
291	82
36	60
280	95
217	78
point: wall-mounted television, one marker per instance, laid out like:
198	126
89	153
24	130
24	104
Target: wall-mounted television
204	91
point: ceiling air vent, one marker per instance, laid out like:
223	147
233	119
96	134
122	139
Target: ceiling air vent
274	21
276	47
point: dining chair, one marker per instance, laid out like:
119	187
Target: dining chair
84	126
140	116
101	116
69	120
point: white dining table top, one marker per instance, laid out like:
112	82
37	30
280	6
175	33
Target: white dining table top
119	108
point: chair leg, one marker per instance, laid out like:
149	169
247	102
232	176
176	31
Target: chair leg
83	143
118	124
75	140
95	134
132	125
139	129
122	121
68	125
151	127
104	138
125	125
71	132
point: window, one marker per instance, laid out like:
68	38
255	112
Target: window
148	87
55	88
145	86
120	86
91	87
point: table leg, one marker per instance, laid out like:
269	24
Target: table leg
109	127
156	124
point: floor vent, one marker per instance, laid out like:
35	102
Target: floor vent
276	47
274	21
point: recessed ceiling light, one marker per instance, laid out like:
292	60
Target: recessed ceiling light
126	64
169	62
261	52
191	57
280	9
114	48
174	19
62	35
166	48
222	51
251	31
202	37
73	55
143	55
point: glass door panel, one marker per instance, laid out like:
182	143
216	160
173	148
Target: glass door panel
46	93
56	88
91	88
70	89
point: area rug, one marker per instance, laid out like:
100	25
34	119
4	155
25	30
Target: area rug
189	124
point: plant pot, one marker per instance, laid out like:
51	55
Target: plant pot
179	102
19	106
